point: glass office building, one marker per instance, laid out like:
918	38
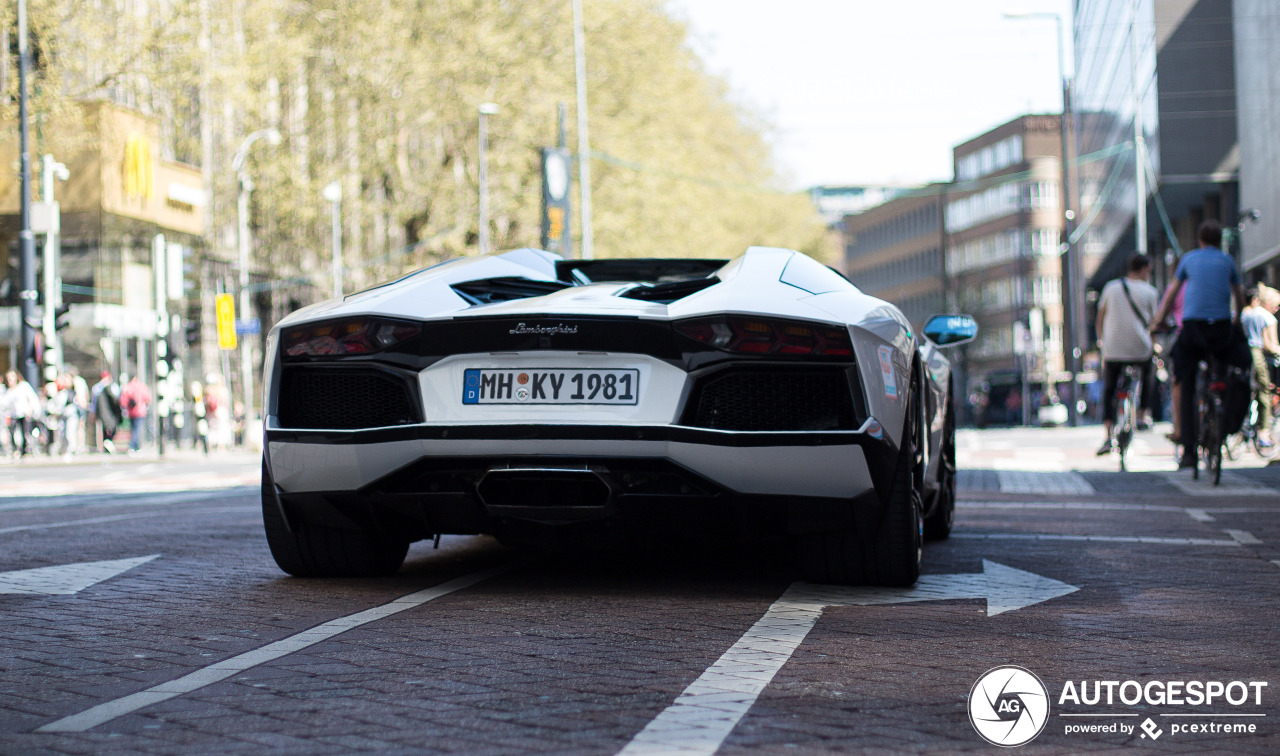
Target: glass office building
1170	64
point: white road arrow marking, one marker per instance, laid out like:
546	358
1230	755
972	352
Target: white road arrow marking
66	579
708	710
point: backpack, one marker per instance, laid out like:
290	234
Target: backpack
1235	406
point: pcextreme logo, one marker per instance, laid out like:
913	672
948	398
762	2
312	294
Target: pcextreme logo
1009	706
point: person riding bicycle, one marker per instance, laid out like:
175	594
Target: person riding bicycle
1259	324
1125	308
1210	278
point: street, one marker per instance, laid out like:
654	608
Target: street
143	614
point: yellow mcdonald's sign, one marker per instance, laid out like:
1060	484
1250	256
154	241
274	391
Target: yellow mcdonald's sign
225	305
138	169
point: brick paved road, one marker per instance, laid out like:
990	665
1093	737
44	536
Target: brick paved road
573	653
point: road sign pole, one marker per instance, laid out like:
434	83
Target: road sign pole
27	293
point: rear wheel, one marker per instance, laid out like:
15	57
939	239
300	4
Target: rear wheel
1268	452
1215	447
937	525
890	555
317	551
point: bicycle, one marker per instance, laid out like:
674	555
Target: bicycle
1250	432
1128	400
1211	389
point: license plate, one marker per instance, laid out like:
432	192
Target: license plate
550	386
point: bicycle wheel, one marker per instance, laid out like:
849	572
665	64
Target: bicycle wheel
1124	432
1268	452
1202	422
1214	449
1235	444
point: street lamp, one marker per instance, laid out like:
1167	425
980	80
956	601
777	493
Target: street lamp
1073	274
242	221
486	109
333	193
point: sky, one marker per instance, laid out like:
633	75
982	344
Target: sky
878	91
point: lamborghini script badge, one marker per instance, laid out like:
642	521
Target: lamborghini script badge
543	330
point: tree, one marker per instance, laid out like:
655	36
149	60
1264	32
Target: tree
381	95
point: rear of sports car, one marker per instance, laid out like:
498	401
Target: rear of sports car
586	427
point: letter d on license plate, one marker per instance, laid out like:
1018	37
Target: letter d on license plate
550	386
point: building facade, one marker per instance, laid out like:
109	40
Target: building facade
894	251
131	233
1257	61
1003	246
1155	108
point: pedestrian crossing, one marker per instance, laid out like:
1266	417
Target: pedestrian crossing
1064	461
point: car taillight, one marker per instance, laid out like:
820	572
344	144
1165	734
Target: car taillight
747	335
1217	385
339	337
1122	394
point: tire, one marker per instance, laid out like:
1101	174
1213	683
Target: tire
1274	449
890	555
1213	450
937	526
317	551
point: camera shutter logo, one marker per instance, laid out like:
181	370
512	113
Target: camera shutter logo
1009	706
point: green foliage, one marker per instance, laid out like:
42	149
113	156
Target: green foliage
381	95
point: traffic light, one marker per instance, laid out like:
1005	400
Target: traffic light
61	317
162	359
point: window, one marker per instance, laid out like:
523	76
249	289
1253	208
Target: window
990	159
984	206
1042	195
1044	242
1047	290
993	342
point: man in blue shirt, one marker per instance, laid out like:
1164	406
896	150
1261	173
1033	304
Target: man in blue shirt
1208	321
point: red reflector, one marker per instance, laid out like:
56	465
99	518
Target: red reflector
781	337
1122	395
357	336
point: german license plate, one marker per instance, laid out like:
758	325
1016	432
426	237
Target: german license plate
550	386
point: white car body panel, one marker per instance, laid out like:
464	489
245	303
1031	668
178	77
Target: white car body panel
835	471
763	282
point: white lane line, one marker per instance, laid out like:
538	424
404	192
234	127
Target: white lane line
1038	482
107	499
1276	562
66	579
1244	537
110	710
1199	515
114	518
708	710
89	521
1092	538
1232	484
1068	505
